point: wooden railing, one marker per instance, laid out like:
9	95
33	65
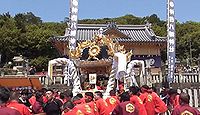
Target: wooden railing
56	79
183	82
194	95
178	78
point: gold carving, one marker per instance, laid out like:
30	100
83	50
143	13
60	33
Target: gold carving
94	47
94	51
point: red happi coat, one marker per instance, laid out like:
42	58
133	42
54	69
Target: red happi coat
160	106
93	106
102	107
138	102
153	103
20	107
174	101
112	102
185	110
85	108
125	108
8	111
74	111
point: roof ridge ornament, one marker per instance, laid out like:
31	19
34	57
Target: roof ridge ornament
148	24
100	32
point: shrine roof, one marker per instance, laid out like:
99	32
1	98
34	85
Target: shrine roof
120	33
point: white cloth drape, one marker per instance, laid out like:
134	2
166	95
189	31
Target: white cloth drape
121	64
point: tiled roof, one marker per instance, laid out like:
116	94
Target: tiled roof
59	38
128	33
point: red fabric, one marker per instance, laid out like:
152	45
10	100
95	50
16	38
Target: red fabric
37	108
9	111
153	103
20	107
85	109
175	102
147	99
82	100
112	102
102	107
44	99
138	102
185	110
32	100
125	108
99	88
74	111
160	106
94	107
121	87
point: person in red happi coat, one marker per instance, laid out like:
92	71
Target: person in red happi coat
89	99
153	104
70	109
134	92
173	98
126	107
13	103
4	97
112	101
101	104
81	107
184	108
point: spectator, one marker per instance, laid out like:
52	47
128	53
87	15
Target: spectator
37	106
32	70
23	99
53	105
173	100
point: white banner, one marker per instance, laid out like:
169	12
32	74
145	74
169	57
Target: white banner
73	23
171	40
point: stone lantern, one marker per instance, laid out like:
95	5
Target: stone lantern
18	63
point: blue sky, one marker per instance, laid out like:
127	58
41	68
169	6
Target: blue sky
56	10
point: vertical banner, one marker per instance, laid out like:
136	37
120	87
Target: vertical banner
73	23
171	40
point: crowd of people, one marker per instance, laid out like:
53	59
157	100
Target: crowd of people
135	101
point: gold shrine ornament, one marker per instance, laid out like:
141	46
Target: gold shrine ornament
94	51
